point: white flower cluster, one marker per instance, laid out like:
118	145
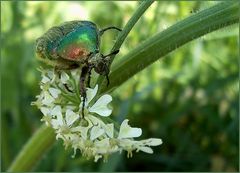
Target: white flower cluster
94	135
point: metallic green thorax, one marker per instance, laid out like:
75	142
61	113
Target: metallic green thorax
73	41
78	44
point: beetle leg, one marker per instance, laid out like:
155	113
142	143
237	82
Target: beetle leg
112	53
106	73
89	76
82	87
89	79
108	28
90	66
107	60
106	70
108	82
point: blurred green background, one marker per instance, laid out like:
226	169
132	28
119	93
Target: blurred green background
189	98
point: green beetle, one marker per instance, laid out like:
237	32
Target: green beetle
72	45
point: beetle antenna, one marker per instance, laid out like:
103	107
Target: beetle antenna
108	28
112	53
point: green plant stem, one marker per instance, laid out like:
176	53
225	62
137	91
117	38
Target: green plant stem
34	149
197	25
126	30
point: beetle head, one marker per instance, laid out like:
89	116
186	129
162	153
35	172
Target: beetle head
40	47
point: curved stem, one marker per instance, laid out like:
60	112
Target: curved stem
124	33
34	149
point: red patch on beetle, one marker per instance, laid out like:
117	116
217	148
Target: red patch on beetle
76	53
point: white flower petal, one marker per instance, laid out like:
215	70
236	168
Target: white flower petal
126	143
96	131
146	149
103	146
71	117
56	123
76	129
64	77
80	128
100	107
57	111
54	92
91	93
94	120
152	141
45	111
109	129
45	79
51	74
103	143
47	98
84	132
128	132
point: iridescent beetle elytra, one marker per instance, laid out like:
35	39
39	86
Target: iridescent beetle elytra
75	44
